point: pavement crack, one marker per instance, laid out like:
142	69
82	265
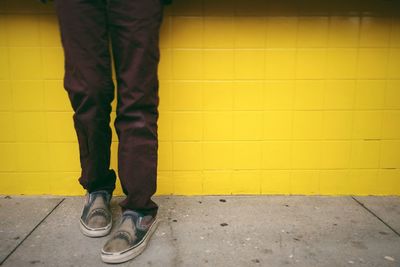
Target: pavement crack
33	229
375	215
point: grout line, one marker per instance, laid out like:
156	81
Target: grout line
29	234
370	211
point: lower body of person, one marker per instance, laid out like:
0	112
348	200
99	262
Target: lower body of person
87	27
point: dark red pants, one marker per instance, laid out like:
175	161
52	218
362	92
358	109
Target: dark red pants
87	28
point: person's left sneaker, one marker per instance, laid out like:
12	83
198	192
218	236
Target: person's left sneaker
130	238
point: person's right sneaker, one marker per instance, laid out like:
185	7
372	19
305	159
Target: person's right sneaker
96	218
131	237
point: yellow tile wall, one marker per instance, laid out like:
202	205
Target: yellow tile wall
256	97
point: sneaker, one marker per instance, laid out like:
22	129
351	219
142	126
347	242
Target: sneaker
96	218
131	237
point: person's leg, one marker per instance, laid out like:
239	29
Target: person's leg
88	81
134	30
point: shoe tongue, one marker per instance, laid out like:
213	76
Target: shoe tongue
128	225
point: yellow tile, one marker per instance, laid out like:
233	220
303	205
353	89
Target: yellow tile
248	95
187	95
218	64
367	124
53	63
375	31
64	132
218	95
246	182
187	156
213	29
250	32
23	29
311	63
165	155
306	154
7	133
187	32
339	94
364	154
280	64
395	33
8	157
217	155
187	126
389	182
343	31
247	125
304	182
281	31
277	125
3	30
390	154
32	156
249	64
166	33
49	30
313	7
362	182
25	63
218	8
392	94
114	155
28	95
335	154
334	182
165	126
187	8
309	94
118	189
307	124
187	64
114	137
246	155
30	126
394	63
61	182
370	94
279	94
312	31
188	183
15	7
337	124
165	65
56	97
217	182
165	96
275	181
6	96
255	8
22	183
276	155
372	63
390	124
342	63
218	126
63	157
165	183
4	63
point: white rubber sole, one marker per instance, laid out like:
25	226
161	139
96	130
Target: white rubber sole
97	232
133	252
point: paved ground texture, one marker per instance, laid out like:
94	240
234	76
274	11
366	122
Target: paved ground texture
213	231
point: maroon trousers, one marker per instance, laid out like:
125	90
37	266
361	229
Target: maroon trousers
87	28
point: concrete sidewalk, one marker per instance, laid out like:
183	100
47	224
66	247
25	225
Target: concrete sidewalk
214	231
